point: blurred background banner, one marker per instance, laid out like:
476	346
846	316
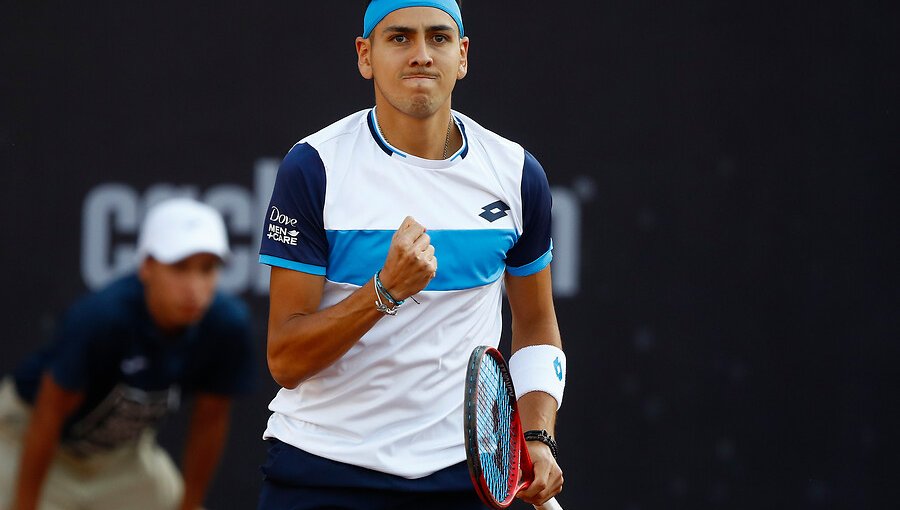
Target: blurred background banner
726	226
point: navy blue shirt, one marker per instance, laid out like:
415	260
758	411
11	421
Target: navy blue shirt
108	347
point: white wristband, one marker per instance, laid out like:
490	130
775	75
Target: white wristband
539	368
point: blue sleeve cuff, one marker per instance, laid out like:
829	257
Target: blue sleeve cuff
290	264
533	267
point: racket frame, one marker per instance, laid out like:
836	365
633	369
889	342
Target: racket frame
521	466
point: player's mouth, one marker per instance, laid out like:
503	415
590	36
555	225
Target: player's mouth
190	313
420	77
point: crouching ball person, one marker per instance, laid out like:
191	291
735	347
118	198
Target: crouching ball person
391	235
78	417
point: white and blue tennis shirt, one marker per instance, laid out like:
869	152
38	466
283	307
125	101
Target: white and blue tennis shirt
393	403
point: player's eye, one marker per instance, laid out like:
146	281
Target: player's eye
210	266
399	38
440	38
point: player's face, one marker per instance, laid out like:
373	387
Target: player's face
415	56
179	294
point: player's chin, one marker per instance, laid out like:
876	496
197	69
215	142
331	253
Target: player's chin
420	106
188	315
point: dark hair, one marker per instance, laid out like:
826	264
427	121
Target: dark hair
458	2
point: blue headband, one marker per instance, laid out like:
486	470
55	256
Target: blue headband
379	9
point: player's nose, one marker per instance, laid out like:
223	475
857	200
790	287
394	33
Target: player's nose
421	56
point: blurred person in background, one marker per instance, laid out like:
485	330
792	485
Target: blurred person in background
78	418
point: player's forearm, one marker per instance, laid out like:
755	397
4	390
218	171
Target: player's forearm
52	406
203	450
39	446
537	408
534	323
303	345
201	459
32	472
537	411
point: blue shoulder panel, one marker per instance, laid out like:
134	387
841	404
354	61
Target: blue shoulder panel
294	229
532	251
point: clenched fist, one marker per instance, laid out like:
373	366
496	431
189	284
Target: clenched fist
410	262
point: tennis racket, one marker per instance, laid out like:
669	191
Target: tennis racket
495	445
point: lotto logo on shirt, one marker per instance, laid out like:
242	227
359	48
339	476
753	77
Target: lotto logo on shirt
283	234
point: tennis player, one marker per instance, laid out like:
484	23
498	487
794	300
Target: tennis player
77	422
391	234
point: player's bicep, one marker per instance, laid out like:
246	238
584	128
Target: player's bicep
293	297
293	293
531	306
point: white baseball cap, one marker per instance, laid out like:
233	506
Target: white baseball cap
180	227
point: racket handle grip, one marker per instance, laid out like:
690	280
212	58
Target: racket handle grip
550	504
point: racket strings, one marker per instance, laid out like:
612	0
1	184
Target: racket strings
494	434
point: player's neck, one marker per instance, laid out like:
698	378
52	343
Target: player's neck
433	137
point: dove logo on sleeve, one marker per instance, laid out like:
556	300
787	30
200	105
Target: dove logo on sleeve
282	235
279	233
276	216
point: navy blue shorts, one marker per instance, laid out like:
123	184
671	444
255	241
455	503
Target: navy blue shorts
297	480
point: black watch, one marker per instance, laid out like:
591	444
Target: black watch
544	437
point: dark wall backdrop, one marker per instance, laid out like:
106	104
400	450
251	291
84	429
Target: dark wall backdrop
730	170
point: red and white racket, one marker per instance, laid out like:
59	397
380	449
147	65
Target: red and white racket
495	445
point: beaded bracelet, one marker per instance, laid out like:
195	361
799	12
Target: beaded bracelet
384	292
544	437
379	304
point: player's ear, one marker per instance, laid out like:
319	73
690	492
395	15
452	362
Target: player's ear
364	54
463	58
